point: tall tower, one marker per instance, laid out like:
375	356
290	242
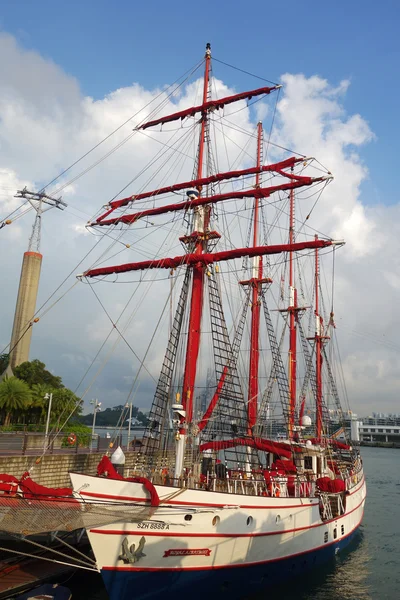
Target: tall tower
29	280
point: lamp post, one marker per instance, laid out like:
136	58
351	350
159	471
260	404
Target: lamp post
96	408
48	397
129	425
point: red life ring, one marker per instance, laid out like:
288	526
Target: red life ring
71	439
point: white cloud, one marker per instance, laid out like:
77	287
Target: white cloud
46	123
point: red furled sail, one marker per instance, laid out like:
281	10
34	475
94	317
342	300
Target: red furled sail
210	105
218	177
207	259
254	193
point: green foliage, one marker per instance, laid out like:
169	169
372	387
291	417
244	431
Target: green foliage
15	396
34	372
4	360
83	434
111	417
34	377
13	428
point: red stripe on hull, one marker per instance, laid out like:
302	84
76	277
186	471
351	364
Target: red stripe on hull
235	565
222	535
175	502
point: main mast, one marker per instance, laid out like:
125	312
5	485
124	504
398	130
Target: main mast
199	239
256	282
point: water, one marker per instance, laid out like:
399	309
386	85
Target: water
120	433
368	570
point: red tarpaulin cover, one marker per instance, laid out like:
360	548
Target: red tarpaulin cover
331	442
5	478
332	486
278	448
287	466
31	489
105	467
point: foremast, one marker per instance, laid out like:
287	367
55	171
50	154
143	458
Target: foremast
199	242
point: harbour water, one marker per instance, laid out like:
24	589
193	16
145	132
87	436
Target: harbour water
119	434
369	570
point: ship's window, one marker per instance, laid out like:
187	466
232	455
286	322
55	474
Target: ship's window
188	517
342	529
335	533
308	462
278	518
325	537
216	520
249	521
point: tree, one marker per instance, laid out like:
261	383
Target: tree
15	395
37	408
65	404
111	417
4	360
34	372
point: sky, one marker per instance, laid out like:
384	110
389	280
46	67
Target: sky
71	72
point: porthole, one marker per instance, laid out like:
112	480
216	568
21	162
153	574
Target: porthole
249	521
278	518
188	517
335	533
216	520
342	529
325	537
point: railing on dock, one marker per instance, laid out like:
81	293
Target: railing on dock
32	443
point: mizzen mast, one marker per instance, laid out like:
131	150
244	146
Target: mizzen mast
292	324
318	350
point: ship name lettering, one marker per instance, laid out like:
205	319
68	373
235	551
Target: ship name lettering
152	525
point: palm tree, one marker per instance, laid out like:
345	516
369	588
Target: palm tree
14	395
38	406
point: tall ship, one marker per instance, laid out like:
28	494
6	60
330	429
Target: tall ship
243	479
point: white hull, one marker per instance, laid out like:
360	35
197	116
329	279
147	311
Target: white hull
224	529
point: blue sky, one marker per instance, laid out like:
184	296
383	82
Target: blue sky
109	45
106	46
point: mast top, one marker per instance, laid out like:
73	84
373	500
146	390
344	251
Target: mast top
208	49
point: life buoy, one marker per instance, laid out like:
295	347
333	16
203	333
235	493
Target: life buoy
71	439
